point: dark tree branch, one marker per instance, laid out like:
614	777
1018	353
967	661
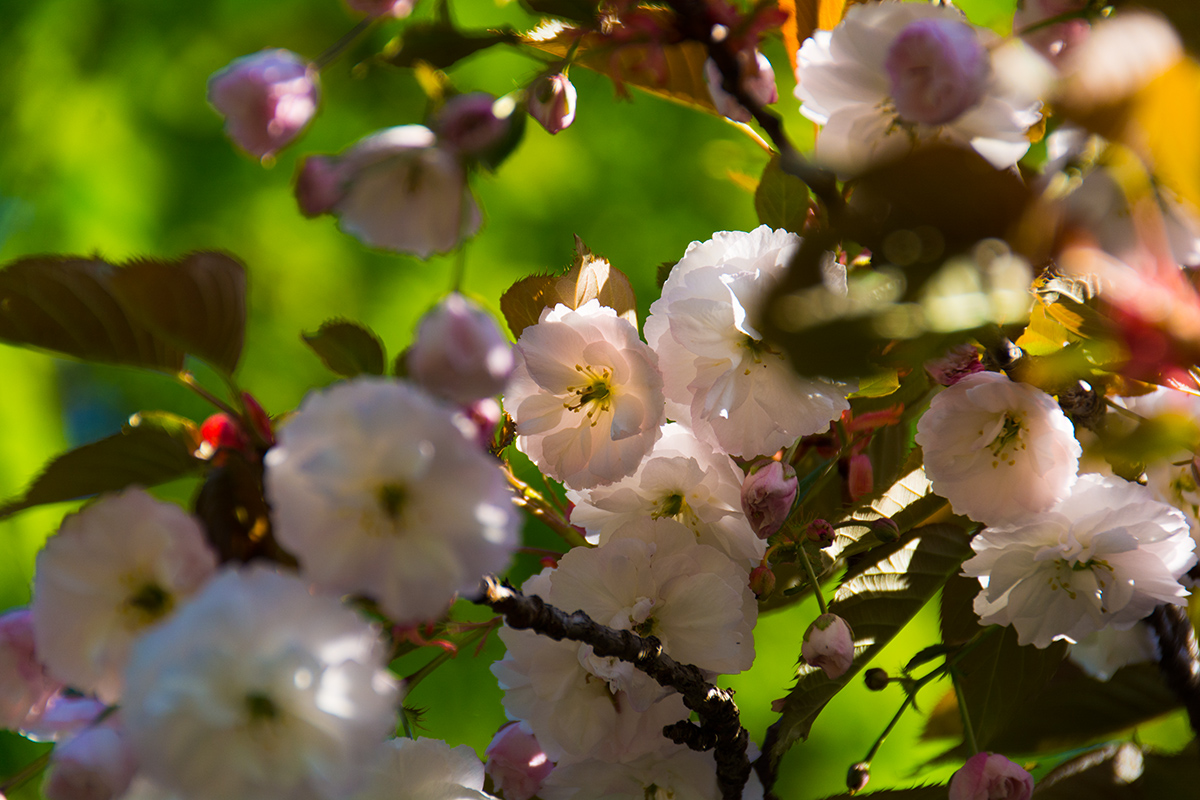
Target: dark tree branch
720	727
694	23
1179	658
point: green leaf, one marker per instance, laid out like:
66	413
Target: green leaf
998	677
1123	772
69	305
1075	709
153	448
959	622
781	200
876	603
197	304
441	45
347	348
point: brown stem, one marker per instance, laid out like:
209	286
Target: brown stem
1179	658
720	727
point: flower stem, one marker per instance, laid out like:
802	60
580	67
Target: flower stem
812	580
189	380
337	48
537	505
968	730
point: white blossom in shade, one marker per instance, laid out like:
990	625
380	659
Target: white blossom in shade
375	491
998	450
460	353
731	387
1102	653
577	705
677	772
683	479
892	74
112	571
258	690
586	395
1106	555
25	687
424	769
397	189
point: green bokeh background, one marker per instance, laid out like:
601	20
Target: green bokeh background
109	147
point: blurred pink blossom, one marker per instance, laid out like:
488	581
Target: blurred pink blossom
990	776
267	99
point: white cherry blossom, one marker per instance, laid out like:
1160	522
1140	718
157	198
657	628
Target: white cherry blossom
258	690
893	74
375	491
586	395
577	705
998	450
682	479
1102	653
731	387
677	772
113	570
1106	555
425	769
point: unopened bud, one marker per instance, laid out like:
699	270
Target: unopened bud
757	79
957	363
480	126
762	581
258	417
861	479
858	776
319	185
829	645
885	529
97	764
552	102
267	99
517	763
876	679
768	493
820	532
460	353
221	432
25	686
991	775
381	8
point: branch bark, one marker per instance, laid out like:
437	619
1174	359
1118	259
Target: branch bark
1179	658
720	728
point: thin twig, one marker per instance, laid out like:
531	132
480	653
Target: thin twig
720	727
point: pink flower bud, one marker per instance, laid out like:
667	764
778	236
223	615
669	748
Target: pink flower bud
1054	40
767	495
957	363
861	478
98	764
267	99
829	645
885	529
857	777
319	185
758	80
762	581
517	763
381	8
25	688
820	532
938	69
259	419
460	352
477	421
470	123
552	102
990	776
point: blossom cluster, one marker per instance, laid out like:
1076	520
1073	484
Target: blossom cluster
167	662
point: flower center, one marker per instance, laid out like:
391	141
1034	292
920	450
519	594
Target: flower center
149	603
672	506
261	708
595	396
392	497
656	792
1010	434
1064	569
